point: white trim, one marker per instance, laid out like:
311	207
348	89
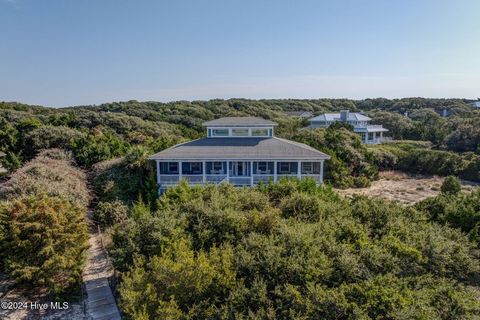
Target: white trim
275	175
180	169
228	171
251	173
299	170
204	171
321	171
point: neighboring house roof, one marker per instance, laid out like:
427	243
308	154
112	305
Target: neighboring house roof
240	148
475	104
2	154
303	114
352	116
239	122
370	128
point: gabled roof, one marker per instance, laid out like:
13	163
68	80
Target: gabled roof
303	114
240	148
352	116
239	122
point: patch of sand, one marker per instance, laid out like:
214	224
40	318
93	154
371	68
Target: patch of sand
402	187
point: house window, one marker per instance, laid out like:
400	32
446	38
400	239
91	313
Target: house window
195	167
259	132
217	167
220	132
284	167
307	167
240	132
173	167
262	167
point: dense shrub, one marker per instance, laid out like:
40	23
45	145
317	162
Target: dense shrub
53	173
295	251
419	158
118	179
43	229
457	210
107	214
451	185
351	163
44	242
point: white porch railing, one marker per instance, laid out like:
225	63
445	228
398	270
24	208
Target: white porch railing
316	177
193	179
287	175
265	178
168	179
240	181
216	178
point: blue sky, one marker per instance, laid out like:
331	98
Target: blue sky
72	52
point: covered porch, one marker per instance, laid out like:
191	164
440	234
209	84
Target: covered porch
372	134
236	172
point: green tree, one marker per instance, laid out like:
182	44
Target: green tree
451	185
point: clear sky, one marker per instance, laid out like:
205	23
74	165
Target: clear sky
72	52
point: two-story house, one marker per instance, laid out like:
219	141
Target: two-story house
243	151
370	134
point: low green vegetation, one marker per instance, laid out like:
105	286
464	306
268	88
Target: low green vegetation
290	250
419	157
458	210
43	229
95	134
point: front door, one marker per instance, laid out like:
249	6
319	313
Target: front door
240	169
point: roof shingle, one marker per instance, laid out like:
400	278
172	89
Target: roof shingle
241	148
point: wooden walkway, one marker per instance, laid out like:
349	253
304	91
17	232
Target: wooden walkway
101	303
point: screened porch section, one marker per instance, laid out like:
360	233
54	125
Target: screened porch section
236	172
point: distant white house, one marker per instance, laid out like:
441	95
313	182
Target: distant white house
370	134
475	104
299	114
242	151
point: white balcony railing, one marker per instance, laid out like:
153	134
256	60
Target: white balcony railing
169	179
193	179
265	178
240	181
216	178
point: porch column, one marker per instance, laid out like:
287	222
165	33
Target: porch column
299	170
274	171
158	176
228	171
180	170
251	173
381	136
321	171
204	172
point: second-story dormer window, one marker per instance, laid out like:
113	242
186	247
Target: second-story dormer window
220	132
240	132
240	127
